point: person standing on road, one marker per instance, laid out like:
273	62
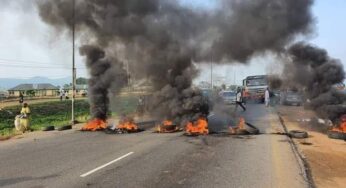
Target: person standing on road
267	97
239	100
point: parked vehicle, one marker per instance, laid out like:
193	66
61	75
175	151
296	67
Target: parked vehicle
229	97
291	97
207	92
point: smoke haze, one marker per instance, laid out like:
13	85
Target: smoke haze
163	39
311	69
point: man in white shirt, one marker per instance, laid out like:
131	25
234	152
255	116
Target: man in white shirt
239	100
267	97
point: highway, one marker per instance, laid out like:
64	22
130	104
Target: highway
146	159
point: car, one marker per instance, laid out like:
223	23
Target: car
206	92
291	97
229	97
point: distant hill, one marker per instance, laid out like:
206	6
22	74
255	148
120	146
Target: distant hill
6	83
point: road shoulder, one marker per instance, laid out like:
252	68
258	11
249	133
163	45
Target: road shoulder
325	157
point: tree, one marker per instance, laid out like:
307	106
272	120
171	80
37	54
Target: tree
67	86
81	81
30	93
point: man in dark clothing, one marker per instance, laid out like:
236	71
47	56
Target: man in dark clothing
21	98
239	100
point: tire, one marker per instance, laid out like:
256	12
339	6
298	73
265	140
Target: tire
336	135
253	130
66	127
48	128
242	132
298	134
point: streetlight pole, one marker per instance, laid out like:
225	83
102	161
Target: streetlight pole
73	64
211	71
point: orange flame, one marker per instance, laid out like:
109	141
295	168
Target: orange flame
166	127
198	127
127	124
167	123
240	126
95	125
341	128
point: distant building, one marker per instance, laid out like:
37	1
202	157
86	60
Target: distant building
340	86
204	85
3	95
142	85
81	90
35	90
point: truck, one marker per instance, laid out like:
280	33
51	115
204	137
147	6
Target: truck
254	87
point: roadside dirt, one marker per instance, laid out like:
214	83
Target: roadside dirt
4	104
29	136
326	157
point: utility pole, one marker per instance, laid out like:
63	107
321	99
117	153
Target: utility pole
235	82
211	71
73	63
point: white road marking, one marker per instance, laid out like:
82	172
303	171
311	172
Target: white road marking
211	115
100	167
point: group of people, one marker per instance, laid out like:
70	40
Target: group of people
240	101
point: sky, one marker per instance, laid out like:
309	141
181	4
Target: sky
29	48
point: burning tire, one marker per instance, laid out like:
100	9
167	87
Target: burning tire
48	128
336	135
242	132
253	130
298	134
66	127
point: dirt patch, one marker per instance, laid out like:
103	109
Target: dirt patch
326	157
328	168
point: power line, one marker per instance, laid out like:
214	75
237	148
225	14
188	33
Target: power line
33	63
33	66
29	62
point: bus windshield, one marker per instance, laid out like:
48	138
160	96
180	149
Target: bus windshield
256	82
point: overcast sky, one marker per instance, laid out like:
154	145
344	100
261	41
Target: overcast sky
29	48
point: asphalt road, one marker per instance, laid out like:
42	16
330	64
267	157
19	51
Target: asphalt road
79	159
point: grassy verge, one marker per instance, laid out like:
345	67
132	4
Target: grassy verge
54	113
58	113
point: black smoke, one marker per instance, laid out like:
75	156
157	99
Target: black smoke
312	70
163	39
106	76
249	27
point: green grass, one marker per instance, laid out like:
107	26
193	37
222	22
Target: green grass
58	113
124	105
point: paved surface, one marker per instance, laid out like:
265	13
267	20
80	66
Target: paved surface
78	159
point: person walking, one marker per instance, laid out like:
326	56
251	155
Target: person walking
267	97
239	100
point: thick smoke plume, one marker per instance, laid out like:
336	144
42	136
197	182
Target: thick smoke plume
249	27
105	76
163	39
313	71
